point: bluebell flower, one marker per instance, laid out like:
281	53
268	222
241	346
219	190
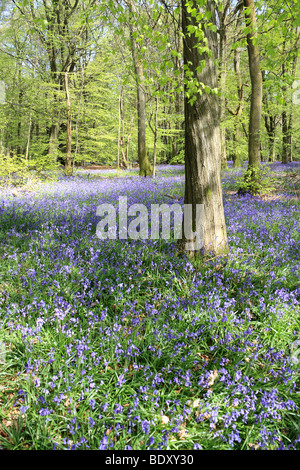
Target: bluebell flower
145	425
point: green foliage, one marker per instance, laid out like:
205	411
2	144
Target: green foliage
13	170
12	437
35	98
256	181
17	171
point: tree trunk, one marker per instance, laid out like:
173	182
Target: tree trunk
128	140
28	138
222	13
203	140
68	168
252	177
124	155
287	114
155	133
237	157
19	127
53	141
270	124
256	83
144	164
286	139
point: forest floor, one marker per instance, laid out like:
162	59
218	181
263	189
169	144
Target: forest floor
123	345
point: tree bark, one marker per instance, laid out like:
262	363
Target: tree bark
287	114
53	141
222	14
128	139
28	138
237	157
256	83
144	163
155	133
69	127
270	124
203	138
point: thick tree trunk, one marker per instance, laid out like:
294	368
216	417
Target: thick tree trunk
203	139
256	83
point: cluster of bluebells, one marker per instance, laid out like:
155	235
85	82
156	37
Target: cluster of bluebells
126	346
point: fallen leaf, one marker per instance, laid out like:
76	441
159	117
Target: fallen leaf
165	419
67	402
182	433
212	377
196	403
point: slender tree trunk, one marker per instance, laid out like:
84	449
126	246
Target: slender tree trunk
237	157
28	139
290	135
128	139
53	141
286	138
287	114
155	137
252	176
77	146
19	127
119	132
69	127
203	139
155	134
144	164
222	13
124	155
178	104
256	83
270	124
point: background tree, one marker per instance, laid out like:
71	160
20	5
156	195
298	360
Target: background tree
256	88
